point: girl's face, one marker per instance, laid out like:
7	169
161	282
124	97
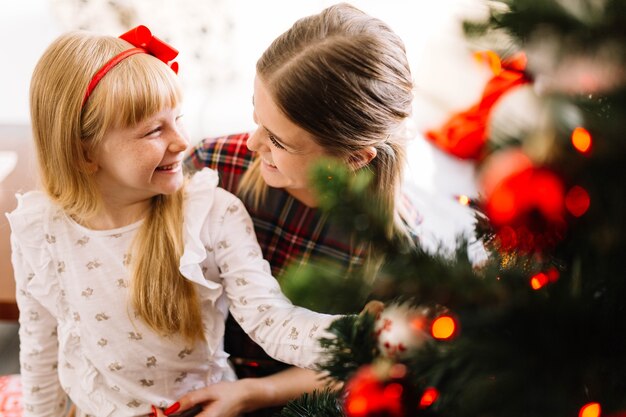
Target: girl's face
286	150
136	163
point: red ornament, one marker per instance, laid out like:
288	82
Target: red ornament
525	204
380	391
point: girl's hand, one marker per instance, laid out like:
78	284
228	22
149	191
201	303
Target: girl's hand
156	412
223	399
230	399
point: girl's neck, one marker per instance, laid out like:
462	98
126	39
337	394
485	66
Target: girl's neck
115	216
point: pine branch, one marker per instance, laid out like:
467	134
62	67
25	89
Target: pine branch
324	287
317	404
354	346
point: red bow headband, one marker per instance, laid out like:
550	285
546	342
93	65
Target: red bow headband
145	43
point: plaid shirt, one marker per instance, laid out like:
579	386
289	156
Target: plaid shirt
288	232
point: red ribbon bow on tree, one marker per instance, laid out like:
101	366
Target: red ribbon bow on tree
465	133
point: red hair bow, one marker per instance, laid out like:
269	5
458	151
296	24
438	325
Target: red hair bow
144	42
141	37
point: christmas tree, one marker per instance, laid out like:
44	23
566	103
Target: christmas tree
539	328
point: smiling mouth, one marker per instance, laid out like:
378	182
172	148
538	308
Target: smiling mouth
268	162
170	167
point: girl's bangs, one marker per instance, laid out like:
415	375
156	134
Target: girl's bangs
143	87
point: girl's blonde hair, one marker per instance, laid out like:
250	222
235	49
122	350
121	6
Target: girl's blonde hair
65	134
343	76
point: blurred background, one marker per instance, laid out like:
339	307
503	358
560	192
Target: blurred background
219	42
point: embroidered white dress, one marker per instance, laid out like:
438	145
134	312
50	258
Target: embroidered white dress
79	336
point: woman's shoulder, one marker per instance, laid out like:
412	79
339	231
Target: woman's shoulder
228	155
213	151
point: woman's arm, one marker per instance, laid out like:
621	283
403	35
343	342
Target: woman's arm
229	399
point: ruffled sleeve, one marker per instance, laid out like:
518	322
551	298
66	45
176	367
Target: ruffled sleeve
199	203
29	238
37	288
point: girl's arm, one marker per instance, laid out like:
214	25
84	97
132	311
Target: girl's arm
286	332
230	399
41	390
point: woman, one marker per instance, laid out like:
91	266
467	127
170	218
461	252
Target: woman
335	84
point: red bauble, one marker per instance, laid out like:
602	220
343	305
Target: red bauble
525	204
376	391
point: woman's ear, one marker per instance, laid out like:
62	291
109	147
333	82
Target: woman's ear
362	157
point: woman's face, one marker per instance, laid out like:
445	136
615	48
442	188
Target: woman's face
287	151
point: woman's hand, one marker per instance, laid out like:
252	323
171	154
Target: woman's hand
374	308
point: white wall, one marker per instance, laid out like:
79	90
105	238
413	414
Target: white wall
26	29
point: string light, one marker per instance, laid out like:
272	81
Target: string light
590	410
538	281
464	200
429	397
553	274
577	201
443	327
581	139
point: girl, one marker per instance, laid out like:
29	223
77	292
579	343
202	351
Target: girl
125	274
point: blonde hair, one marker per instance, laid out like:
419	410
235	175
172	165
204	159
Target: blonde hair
65	133
343	76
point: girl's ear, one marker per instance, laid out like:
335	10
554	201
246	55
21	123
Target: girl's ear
362	157
90	166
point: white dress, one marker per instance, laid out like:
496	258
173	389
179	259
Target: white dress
79	336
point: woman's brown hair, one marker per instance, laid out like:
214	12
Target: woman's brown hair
343	76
